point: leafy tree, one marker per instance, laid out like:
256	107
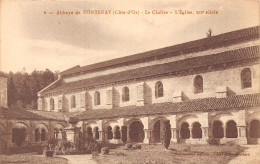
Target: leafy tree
23	87
11	91
165	133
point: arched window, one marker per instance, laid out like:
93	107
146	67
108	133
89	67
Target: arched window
109	133
125	94
96	133
89	133
73	101
196	130
185	131
19	133
37	135
43	135
158	89
218	131
198	84
231	129
51	104
254	129
117	132
97	98
246	78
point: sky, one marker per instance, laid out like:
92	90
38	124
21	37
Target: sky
33	40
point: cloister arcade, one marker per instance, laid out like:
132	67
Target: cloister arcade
24	133
185	128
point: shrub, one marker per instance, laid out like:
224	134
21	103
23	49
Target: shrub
137	146
73	120
231	143
105	150
212	141
129	145
165	133
49	153
60	146
89	145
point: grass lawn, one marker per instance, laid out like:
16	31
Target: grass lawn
177	153
31	158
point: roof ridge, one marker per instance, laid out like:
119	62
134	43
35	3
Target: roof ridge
213	59
206	42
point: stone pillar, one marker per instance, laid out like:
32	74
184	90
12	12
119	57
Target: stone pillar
94	134
120	133
106	135
205	132
128	135
190	133
146	139
100	135
114	134
40	107
242	134
224	129
174	135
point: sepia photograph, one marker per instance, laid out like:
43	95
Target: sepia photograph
130	81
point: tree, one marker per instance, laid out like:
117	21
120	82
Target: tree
23	87
165	133
11	91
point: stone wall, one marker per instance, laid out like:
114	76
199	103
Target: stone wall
177	88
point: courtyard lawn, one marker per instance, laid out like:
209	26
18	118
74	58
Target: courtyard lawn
30	158
178	153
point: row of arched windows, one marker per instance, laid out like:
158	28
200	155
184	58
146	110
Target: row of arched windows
72	102
246	82
125	96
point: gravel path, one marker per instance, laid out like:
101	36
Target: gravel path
253	157
79	159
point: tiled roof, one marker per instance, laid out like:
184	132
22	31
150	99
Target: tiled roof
18	114
50	115
205	104
155	70
188	47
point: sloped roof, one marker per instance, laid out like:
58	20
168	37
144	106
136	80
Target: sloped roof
50	115
18	114
188	47
205	104
186	64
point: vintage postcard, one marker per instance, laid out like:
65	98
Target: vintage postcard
130	82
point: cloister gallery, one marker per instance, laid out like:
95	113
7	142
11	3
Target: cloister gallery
205	89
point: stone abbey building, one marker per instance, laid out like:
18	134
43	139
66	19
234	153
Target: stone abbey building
206	89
